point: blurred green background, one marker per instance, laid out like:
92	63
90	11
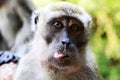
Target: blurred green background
105	35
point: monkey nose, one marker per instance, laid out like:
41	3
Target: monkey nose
66	43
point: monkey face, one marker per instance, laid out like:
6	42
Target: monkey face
65	31
66	35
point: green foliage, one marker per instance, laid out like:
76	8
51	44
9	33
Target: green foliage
105	36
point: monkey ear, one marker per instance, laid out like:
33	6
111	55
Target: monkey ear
35	19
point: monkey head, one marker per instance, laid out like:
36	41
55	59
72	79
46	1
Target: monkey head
64	30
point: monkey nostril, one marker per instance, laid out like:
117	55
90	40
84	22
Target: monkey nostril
66	43
63	42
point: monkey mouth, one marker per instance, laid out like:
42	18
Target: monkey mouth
60	56
62	59
62	53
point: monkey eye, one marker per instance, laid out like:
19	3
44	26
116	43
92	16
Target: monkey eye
57	25
74	27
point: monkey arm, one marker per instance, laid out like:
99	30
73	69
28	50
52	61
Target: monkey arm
24	9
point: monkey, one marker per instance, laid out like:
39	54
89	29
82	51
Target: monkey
60	47
3	44
15	31
24	9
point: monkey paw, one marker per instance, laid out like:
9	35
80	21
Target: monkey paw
7	56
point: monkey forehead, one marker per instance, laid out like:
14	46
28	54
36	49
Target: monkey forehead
58	9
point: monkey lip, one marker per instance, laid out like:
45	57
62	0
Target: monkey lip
59	56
